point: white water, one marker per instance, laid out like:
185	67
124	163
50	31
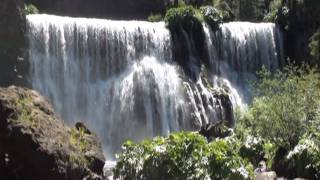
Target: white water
238	50
119	77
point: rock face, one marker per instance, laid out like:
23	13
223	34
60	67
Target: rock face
120	9
12	42
303	22
35	143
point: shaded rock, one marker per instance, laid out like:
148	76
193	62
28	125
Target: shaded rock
215	130
303	22
120	9
38	145
80	125
13	67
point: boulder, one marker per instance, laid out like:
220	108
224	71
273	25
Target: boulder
271	175
36	144
263	174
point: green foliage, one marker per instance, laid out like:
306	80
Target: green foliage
30	9
155	17
181	15
225	161
78	140
278	14
24	113
315	45
274	6
224	8
252	149
211	16
188	15
286	105
256	149
304	159
183	155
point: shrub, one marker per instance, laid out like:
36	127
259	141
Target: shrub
304	159
78	140
155	17
180	15
278	14
30	9
183	155
274	6
225	161
286	105
211	16
225	10
256	149
24	113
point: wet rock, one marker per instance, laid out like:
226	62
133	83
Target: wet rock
38	145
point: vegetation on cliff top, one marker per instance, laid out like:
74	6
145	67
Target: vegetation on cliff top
30	9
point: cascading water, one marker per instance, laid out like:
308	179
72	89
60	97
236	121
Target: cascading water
121	79
238	50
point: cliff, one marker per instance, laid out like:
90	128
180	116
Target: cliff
36	144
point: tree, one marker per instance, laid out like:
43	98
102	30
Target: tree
286	105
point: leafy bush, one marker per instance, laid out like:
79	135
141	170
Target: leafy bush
286	107
278	14
78	140
212	16
155	17
304	159
24	112
30	9
180	15
183	155
225	10
256	149
274	6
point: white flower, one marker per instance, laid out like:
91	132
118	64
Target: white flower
251	140
160	149
307	144
243	172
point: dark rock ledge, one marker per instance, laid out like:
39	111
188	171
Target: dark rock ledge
36	144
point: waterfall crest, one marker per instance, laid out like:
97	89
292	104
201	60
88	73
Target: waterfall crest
121	79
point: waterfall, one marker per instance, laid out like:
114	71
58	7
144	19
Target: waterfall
120	77
238	50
